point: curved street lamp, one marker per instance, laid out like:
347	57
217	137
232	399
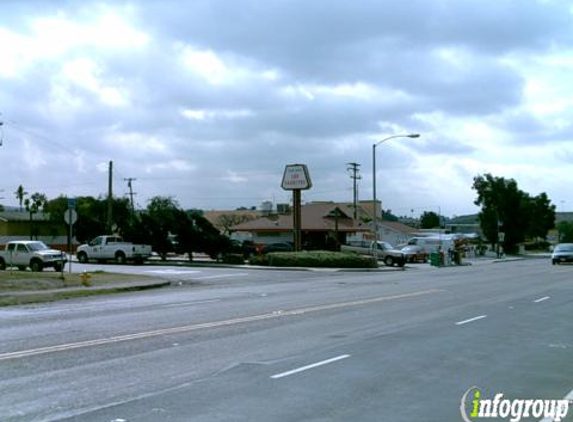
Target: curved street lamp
375	228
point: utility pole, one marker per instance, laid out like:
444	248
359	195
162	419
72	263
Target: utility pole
354	168
109	197
129	180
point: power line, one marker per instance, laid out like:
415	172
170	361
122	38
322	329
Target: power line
13	125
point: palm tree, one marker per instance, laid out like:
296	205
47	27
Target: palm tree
20	195
33	205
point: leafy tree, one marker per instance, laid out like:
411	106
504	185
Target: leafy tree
388	216
541	216
505	208
565	229
163	224
168	228
210	240
429	220
162	220
91	215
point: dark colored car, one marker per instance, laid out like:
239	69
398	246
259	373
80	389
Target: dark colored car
246	248
563	252
277	247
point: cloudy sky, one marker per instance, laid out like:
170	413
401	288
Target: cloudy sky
207	101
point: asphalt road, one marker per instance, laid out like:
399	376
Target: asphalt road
246	345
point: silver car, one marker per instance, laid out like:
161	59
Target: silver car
563	252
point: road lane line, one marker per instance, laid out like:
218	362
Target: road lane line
311	366
542	299
467	321
172	272
197	302
206	325
220	276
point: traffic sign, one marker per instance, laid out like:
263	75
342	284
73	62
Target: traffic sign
71	216
72	203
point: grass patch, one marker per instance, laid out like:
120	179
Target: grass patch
315	259
29	281
22	287
52	296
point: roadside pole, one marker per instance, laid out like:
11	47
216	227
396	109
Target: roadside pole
71	216
296	178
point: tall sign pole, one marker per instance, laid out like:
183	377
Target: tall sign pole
296	178
109	197
71	217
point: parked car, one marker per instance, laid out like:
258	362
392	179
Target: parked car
563	252
246	248
277	247
107	248
33	254
415	253
386	252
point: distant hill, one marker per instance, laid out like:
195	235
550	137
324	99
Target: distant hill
465	219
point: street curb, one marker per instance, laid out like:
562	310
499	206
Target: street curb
263	267
502	260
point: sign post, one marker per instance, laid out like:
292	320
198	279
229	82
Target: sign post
70	217
296	178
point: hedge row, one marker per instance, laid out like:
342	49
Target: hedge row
321	259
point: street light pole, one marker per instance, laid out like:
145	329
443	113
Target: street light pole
374	211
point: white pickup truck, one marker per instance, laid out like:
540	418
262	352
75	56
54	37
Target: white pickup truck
108	248
385	251
33	254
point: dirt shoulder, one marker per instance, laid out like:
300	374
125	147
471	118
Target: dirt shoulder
23	287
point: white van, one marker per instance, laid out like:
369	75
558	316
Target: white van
431	244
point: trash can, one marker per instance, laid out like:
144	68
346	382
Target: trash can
435	259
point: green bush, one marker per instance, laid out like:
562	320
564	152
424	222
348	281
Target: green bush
540	245
234	259
321	259
258	260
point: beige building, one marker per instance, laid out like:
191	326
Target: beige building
324	225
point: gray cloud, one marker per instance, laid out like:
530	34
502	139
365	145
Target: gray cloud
314	82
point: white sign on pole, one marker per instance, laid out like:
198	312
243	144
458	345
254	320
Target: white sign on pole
296	177
71	216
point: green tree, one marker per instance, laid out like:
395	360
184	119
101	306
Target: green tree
91	215
505	208
34	204
162	221
541	216
168	228
565	229
429	220
388	216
